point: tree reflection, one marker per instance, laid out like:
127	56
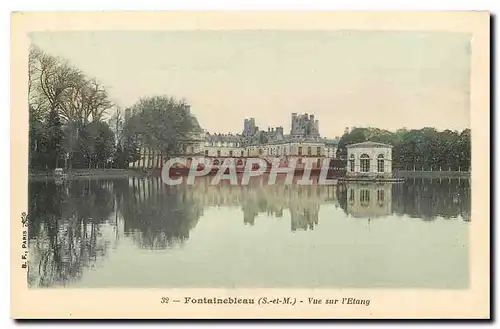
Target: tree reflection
419	198
65	229
431	198
158	216
71	225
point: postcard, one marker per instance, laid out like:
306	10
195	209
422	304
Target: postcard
250	165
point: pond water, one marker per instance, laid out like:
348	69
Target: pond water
138	233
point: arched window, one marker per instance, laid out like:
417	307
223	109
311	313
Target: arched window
365	163
216	162
239	162
380	163
351	163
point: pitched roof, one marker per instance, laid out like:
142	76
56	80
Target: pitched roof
368	144
195	124
224	138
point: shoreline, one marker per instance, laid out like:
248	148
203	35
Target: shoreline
126	173
90	173
431	174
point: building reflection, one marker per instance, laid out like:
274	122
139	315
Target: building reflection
369	200
163	215
426	199
73	225
301	201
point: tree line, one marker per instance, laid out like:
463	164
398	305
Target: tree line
73	123
417	149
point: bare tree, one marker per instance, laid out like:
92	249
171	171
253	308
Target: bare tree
55	85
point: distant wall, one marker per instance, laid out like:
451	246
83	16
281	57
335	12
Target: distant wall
430	174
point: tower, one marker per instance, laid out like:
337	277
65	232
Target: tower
249	127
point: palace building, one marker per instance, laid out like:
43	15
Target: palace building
369	159
303	144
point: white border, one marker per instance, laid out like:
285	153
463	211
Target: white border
6	7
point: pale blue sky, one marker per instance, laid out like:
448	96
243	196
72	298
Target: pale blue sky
346	78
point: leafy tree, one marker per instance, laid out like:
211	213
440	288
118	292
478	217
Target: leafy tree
126	153
160	123
422	149
356	135
96	144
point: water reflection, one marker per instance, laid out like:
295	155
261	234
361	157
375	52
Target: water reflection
302	202
369	200
73	225
428	199
64	229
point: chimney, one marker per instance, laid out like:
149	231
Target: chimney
187	109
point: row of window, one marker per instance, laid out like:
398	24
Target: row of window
242	153
278	151
225	144
366	156
239	162
365	197
365	165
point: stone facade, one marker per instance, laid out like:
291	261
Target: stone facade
369	159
